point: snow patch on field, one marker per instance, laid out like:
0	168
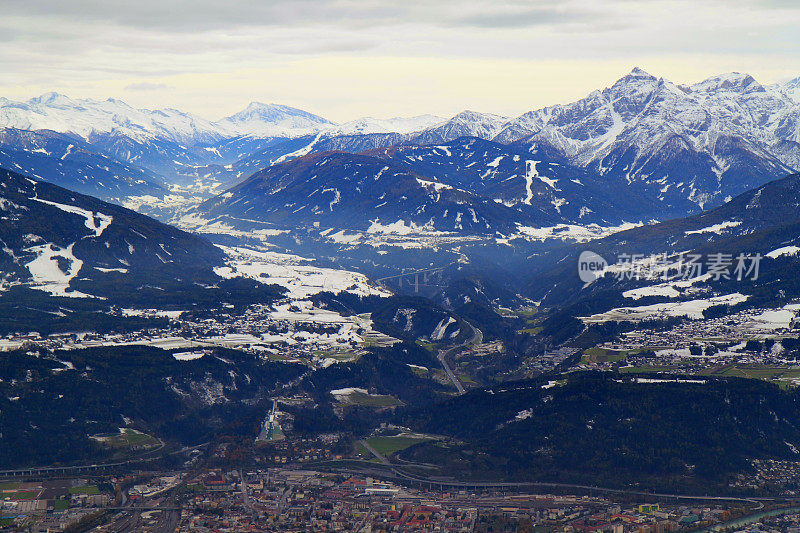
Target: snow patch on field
47	272
340	237
716	228
668	290
786	250
188	356
400	227
774	319
293	273
692	309
433	184
342	395
570	232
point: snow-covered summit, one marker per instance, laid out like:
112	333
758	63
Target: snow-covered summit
465	124
273	120
404	125
60	113
698	144
734	82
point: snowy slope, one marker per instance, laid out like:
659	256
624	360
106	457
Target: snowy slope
465	124
699	144
69	245
368	125
272	120
53	111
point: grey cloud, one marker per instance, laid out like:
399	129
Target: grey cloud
146	86
203	15
521	18
325	47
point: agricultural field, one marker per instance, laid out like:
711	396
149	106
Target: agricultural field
128	438
390	445
360	397
89	490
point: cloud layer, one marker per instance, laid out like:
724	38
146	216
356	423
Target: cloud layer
380	56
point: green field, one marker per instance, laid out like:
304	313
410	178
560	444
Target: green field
422	372
388	445
195	487
364	454
277	433
604	355
85	489
61	505
339	356
780	375
754	371
432	347
129	438
372	400
25	495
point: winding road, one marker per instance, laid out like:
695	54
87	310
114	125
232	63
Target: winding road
477	338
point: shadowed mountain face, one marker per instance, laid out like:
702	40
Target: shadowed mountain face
65	244
763	221
353	191
678	148
469	186
71	162
528	180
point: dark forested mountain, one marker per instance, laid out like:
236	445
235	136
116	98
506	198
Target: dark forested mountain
468	185
61	244
526	179
345	190
611	430
71	162
50	403
763	221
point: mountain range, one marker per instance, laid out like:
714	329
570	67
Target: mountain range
674	148
763	222
69	260
489	215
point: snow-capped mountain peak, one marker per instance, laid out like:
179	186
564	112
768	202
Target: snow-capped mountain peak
60	113
465	124
790	89
637	73
274	113
273	120
701	143
52	99
369	125
733	82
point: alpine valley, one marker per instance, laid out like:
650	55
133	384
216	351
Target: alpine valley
274	284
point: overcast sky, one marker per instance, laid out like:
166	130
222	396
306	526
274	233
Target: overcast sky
381	58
